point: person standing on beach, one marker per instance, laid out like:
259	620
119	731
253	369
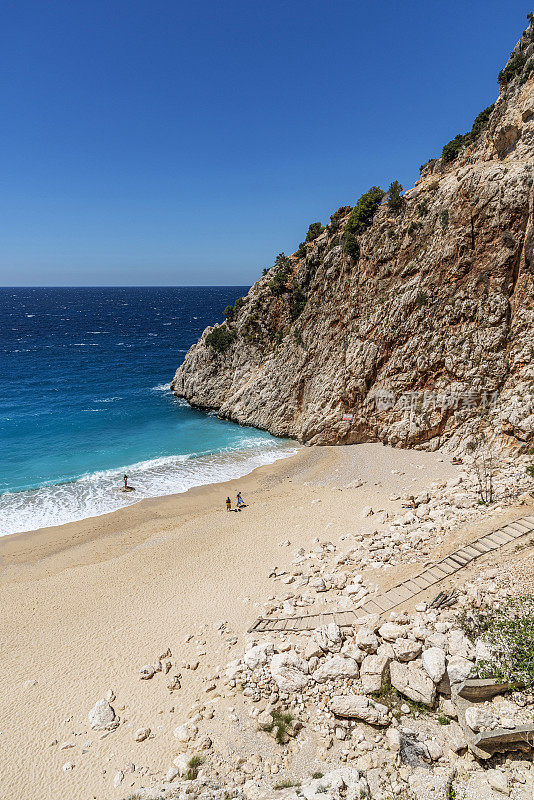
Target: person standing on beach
240	502
228	504
125	479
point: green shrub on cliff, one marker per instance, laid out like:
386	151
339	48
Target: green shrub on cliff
220	339
314	230
278	283
298	301
336	217
513	68
481	120
360	219
395	198
229	313
452	148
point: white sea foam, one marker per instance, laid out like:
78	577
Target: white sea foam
98	493
161	387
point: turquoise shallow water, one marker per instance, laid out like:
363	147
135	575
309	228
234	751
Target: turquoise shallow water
84	396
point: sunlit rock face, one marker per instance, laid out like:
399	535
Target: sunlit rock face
424	340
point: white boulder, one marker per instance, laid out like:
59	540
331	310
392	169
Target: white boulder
289	672
355	706
410	680
337	666
374	672
434	663
101	715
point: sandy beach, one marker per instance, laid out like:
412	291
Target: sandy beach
87	604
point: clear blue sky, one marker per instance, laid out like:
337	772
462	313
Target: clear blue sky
169	142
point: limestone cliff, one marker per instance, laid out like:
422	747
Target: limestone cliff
416	332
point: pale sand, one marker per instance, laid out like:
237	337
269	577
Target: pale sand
86	605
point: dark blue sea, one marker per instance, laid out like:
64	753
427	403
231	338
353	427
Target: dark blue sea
85	396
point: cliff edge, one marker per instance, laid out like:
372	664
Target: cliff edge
408	319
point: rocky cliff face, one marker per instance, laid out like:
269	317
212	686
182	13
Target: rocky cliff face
424	339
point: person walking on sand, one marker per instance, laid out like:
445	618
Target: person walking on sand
240	502
228	504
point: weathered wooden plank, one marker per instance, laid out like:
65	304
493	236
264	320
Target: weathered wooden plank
480	547
383	603
437	573
402	592
371	607
422	582
519	526
499	538
412	586
447	566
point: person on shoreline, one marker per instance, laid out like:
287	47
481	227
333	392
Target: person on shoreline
125	479
240	502
228	504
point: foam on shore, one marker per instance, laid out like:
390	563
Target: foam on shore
97	493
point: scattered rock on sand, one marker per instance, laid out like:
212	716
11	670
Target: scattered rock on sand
141	734
101	715
147	672
410	680
336	666
357	706
118	779
434	663
289	672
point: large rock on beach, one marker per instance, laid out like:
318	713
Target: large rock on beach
289	672
355	706
411	681
337	666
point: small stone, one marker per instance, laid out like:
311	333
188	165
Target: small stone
337	666
366	640
459	669
393	740
390	631
181	762
289	672
101	715
374	672
118	779
407	649
172	773
479	718
498	781
449	709
258	655
435	751
141	734
147	672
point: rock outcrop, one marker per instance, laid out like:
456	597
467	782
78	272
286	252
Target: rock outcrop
423	335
